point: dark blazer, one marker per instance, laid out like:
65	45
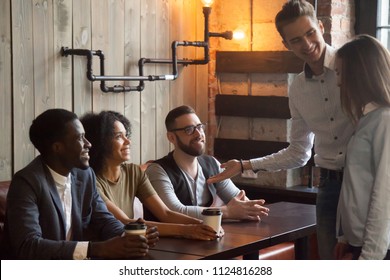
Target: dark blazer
35	222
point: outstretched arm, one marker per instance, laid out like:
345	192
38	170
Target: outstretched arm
295	155
175	224
231	168
164	214
189	231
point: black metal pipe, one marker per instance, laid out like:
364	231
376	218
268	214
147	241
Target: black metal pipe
141	63
65	51
228	35
206	14
174	61
102	77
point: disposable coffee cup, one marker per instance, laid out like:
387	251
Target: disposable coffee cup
212	217
135	229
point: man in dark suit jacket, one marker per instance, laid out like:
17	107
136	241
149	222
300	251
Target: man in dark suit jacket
53	203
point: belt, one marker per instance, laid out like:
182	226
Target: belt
331	174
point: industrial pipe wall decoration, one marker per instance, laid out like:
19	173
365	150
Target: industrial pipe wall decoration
142	78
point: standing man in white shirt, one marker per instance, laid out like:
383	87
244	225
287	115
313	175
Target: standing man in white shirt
314	101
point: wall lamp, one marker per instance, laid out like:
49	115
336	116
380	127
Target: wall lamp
174	61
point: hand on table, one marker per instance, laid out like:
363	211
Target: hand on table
242	208
152	235
124	247
199	231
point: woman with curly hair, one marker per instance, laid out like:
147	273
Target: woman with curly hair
119	181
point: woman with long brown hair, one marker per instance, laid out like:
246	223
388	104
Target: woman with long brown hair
363	219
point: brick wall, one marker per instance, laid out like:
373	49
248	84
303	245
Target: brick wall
338	17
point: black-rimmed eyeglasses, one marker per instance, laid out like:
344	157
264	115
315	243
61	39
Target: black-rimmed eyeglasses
189	130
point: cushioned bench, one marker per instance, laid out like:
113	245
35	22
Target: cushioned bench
283	251
3	197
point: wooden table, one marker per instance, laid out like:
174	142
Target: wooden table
286	222
167	255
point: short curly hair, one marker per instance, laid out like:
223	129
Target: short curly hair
99	130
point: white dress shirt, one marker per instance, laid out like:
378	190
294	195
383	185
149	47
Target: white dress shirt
363	214
315	108
64	189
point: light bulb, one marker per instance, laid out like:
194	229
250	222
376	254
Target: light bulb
238	34
207	3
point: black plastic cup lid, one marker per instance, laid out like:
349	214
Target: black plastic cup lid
134	226
211	212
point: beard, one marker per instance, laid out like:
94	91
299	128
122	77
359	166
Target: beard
188	149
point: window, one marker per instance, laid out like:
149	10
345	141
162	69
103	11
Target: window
373	17
383	22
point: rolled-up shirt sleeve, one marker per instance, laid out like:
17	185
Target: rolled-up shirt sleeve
296	154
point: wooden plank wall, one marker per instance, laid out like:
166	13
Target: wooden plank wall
5	91
23	82
255	123
35	77
148	97
81	39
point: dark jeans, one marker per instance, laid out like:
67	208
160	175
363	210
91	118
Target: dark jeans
326	211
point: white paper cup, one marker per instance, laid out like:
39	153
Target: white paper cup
212	217
135	229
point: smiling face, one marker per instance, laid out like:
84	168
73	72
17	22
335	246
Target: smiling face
120	145
73	150
304	37
194	144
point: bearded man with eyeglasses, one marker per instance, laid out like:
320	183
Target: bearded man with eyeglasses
180	178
